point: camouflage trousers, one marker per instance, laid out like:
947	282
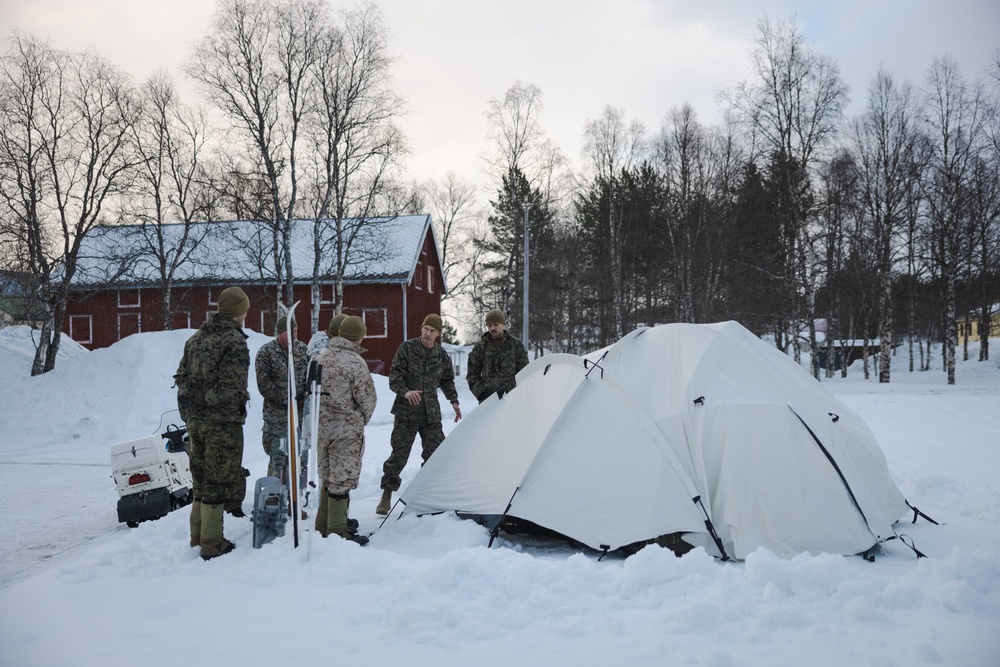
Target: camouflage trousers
340	451
404	432
274	431
217	462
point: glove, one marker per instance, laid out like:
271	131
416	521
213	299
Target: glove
191	398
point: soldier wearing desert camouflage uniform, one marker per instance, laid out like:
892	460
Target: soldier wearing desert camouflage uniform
212	397
346	406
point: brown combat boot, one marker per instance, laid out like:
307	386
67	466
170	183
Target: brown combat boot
385	504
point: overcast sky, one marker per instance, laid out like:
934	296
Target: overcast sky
645	56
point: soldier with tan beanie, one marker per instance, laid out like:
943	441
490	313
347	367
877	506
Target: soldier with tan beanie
419	367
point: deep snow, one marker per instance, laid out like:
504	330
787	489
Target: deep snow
77	588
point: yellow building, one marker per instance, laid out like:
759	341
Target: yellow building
969	328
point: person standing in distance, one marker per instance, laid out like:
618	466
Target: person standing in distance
419	367
495	359
212	397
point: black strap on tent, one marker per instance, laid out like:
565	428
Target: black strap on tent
836	417
711	528
496	528
918	513
904	538
840	473
595	364
700	400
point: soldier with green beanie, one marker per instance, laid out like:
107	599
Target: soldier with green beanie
419	367
212	397
495	359
346	406
320	342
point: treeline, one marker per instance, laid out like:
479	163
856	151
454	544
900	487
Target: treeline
885	226
298	122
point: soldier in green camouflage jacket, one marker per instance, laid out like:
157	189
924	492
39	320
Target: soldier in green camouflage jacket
419	368
212	397
271	369
495	359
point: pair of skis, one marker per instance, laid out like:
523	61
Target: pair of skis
273	496
296	480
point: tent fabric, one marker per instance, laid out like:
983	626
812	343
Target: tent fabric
612	449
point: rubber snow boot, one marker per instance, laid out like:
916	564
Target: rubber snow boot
352	524
336	514
213	544
195	523
324	500
385	504
336	519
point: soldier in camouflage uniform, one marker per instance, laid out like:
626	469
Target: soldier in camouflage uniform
495	359
419	367
271	365
346	406
212	397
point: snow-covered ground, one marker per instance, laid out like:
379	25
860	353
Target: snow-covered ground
77	588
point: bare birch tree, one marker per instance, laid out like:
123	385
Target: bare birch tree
885	140
65	133
953	121
454	207
254	64
355	145
170	189
611	146
793	103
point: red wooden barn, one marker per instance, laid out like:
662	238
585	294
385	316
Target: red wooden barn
393	279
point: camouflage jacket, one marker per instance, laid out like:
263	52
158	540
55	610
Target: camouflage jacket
348	396
271	367
414	367
493	367
212	376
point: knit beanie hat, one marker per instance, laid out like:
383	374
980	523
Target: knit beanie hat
495	316
433	321
233	302
353	328
333	330
282	325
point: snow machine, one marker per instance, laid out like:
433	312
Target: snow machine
153	474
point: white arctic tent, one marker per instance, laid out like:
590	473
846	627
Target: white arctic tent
697	429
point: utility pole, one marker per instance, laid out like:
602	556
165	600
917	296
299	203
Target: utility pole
524	319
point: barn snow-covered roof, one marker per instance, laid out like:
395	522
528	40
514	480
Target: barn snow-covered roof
383	250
